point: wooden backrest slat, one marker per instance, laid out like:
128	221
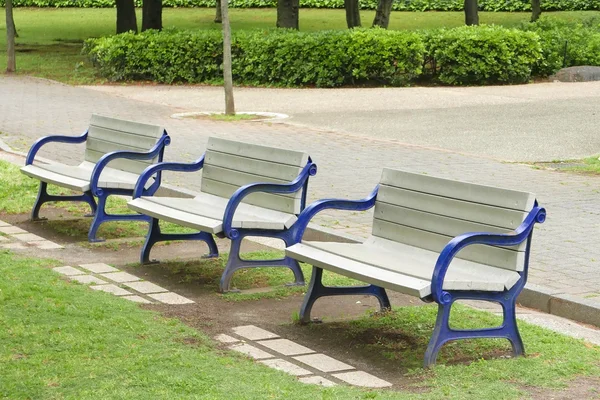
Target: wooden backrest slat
229	165
427	212
106	135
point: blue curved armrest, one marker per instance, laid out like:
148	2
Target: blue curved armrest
131	155
519	235
164	166
336	204
310	169
56	138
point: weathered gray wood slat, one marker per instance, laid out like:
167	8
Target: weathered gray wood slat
490	255
264	153
238	178
245	214
133	166
283	203
118	138
252	166
130	127
420	263
458	190
103	147
143	206
360	271
54	178
488	215
431	222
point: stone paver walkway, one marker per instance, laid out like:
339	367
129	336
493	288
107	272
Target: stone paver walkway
565	255
15	238
127	286
295	359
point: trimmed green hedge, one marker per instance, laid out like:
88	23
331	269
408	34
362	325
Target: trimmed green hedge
465	55
272	57
399	5
472	55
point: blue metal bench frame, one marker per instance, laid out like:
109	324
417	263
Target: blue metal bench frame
236	235
442	332
98	210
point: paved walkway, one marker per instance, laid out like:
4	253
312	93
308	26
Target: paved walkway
566	255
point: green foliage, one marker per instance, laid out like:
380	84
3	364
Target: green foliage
399	5
566	44
472	55
272	57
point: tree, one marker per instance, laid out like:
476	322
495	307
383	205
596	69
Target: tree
287	13
471	12
352	13
11	65
218	17
382	15
152	15
126	19
227	75
536	10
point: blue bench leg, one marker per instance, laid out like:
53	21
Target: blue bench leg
235	261
442	332
101	216
44	197
317	289
155	235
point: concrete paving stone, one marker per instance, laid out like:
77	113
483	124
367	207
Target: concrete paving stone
286	366
13	246
85	279
110	288
3	238
252	332
317	380
226	338
27	237
120	277
9	230
323	363
69	271
251	351
285	347
137	299
3	224
170	298
363	379
145	287
98	268
45	245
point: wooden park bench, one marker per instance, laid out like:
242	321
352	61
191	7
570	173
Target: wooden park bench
436	239
246	190
116	152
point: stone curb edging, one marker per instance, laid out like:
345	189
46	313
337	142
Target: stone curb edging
550	301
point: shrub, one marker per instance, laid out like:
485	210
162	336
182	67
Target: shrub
273	57
398	5
482	55
565	43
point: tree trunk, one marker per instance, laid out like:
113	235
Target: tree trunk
352	13
11	65
227	78
126	20
152	15
471	12
536	10
218	17
382	15
15	29
287	14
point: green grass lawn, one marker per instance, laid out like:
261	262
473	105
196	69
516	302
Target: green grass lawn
60	340
49	45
